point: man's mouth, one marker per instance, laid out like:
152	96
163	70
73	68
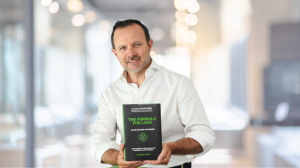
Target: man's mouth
134	61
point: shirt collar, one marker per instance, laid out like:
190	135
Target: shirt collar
153	65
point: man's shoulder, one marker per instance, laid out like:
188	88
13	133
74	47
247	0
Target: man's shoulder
112	87
174	75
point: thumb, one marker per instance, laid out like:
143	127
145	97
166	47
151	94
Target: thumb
121	147
120	156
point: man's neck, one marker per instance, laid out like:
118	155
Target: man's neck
137	77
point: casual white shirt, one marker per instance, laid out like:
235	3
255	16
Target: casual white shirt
182	113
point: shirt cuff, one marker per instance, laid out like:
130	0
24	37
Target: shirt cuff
206	140
98	150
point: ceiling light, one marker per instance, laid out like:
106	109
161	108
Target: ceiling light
181	26
75	5
54	7
189	2
179	15
78	20
190	36
90	16
191	19
193	8
179	5
104	25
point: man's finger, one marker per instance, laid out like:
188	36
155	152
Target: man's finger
164	160
167	158
121	147
120	156
162	155
132	162
155	162
138	164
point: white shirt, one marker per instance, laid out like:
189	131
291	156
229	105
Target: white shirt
182	113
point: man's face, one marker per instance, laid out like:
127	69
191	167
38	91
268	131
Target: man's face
131	48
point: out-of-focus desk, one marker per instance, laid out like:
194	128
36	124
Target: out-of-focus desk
12	134
273	122
228	124
279	148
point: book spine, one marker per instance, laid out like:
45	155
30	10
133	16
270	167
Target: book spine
123	133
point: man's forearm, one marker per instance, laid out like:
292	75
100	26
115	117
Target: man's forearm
185	146
110	157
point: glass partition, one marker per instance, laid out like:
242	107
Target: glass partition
12	84
73	65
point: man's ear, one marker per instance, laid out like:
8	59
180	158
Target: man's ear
114	51
150	43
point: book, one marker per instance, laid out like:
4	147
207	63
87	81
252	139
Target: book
142	131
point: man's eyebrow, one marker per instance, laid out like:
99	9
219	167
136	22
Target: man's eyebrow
137	42
121	46
132	43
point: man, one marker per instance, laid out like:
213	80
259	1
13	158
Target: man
186	132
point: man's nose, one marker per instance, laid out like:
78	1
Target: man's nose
131	51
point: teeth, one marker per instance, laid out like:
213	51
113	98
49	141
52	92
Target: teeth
133	61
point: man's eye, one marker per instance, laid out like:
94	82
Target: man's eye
137	44
122	48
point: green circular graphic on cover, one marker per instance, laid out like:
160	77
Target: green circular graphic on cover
143	137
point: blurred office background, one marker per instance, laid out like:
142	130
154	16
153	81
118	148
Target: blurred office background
243	57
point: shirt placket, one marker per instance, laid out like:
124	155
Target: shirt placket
140	92
139	96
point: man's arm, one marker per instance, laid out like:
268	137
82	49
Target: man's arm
110	157
105	130
185	146
199	137
193	116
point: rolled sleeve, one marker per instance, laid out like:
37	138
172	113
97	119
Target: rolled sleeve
206	139
105	132
194	118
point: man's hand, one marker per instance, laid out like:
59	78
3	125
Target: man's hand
127	164
163	158
181	147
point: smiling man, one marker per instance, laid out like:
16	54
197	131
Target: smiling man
186	132
132	49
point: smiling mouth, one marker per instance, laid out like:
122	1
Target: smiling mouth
133	61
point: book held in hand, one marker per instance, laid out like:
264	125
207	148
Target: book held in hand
142	131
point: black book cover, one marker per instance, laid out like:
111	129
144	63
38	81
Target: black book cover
142	131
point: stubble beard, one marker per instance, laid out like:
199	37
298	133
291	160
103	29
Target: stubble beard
145	63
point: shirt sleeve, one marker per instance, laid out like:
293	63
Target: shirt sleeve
105	132
193	117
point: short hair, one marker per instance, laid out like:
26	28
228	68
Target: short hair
126	23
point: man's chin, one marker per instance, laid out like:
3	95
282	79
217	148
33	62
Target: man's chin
134	70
